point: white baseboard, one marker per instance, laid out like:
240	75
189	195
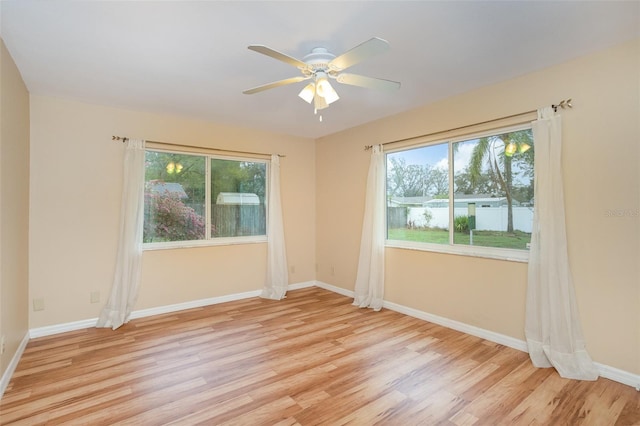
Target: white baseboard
6	376
617	375
193	304
335	289
502	339
141	313
50	330
605	371
210	301
298	286
611	373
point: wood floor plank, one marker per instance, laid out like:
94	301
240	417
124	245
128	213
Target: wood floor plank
374	411
311	359
87	403
507	390
630	414
203	415
538	407
429	411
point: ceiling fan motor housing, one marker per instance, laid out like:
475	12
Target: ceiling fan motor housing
318	60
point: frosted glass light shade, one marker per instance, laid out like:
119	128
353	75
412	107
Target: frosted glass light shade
308	92
326	91
319	102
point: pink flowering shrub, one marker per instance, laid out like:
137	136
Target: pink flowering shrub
167	218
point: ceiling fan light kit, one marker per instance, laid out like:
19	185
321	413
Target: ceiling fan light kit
308	92
320	65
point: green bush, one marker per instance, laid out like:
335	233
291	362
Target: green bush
428	216
461	223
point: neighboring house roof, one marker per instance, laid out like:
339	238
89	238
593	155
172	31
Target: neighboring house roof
475	196
409	201
481	200
172	188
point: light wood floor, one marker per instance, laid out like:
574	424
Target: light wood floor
312	359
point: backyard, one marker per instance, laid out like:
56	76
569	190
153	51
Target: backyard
512	240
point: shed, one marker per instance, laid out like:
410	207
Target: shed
237	198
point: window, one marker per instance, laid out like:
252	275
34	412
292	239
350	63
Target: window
238	193
197	199
471	196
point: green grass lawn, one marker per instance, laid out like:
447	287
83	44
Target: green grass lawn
512	240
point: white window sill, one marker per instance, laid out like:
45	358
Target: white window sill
204	243
511	255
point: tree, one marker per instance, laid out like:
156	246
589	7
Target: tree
237	176
254	179
438	182
490	151
414	180
484	184
406	180
190	174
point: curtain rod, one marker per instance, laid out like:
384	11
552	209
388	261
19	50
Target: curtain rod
562	104
124	139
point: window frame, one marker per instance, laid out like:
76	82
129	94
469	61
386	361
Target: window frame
210	241
508	254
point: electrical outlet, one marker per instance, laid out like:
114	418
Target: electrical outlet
2	346
38	304
95	297
293	269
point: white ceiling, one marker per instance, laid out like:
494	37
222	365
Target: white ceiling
190	58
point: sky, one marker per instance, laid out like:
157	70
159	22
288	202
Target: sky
436	155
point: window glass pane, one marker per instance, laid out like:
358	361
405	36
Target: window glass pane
238	190
174	207
418	195
493	190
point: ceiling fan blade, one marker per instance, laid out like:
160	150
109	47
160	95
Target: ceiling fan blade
359	53
278	55
368	82
274	84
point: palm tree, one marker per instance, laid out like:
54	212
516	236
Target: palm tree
497	151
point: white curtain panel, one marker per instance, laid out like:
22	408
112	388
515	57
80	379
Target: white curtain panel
277	280
369	288
552	323
126	281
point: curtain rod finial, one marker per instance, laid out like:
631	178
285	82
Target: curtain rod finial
565	103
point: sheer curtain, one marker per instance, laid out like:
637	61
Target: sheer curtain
124	291
552	323
277	280
369	288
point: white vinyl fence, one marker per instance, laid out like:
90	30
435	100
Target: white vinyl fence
487	218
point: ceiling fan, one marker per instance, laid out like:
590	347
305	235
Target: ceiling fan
321	65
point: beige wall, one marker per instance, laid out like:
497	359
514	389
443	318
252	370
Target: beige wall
76	178
14	206
601	163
